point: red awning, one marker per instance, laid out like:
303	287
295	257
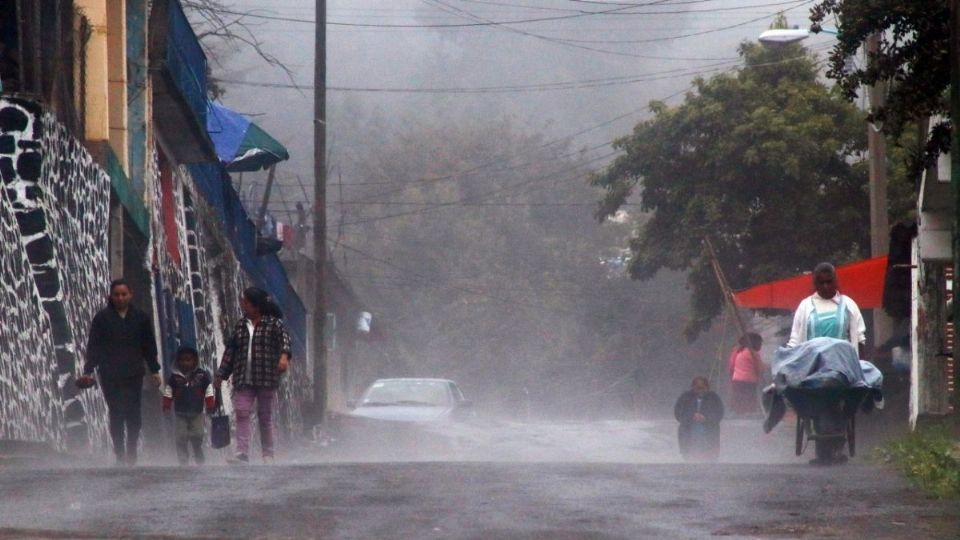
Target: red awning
862	281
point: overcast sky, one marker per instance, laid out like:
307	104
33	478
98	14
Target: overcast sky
570	67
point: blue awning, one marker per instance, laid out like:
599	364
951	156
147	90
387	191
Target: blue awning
242	145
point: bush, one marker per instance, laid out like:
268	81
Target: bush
927	459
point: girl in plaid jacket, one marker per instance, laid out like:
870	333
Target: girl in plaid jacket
256	356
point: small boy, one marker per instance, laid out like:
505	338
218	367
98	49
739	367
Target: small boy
189	388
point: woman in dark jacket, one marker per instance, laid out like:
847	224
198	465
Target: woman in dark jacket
121	347
256	355
699	412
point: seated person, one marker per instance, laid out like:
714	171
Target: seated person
699	411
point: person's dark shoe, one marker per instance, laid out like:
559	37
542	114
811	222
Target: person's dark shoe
239	459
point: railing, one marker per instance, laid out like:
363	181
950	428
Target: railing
186	62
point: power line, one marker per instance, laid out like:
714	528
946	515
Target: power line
455	175
430	281
459	202
492	162
444	6
621	10
538	87
681	36
456	25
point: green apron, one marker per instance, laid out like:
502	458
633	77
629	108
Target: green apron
828	324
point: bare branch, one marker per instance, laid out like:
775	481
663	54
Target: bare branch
214	24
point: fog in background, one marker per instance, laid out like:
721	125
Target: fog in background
458	203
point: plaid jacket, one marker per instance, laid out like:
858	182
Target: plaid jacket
270	340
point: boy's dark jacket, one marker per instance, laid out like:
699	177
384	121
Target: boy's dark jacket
189	393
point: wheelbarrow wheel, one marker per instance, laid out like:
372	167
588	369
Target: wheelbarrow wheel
852	436
801	425
830	430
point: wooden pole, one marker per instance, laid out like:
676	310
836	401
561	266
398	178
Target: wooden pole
724	286
728	294
320	210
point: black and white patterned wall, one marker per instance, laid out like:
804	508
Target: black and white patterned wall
54	272
58	199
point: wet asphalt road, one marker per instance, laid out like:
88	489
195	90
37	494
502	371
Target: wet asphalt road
471	501
522	499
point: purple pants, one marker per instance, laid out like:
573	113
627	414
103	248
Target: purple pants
243	407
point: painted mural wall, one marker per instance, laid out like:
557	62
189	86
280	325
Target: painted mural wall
54	217
54	272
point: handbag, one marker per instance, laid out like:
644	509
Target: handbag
219	425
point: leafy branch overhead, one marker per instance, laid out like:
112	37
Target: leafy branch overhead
913	57
767	161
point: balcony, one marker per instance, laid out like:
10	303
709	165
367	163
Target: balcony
178	70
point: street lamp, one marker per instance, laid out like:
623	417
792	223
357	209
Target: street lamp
782	36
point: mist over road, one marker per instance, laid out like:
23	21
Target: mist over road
557	489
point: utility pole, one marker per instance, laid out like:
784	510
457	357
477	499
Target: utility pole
320	212
879	219
955	154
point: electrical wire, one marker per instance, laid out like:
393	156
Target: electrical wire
459	202
614	11
432	282
537	87
445	6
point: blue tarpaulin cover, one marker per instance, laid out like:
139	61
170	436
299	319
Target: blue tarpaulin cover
823	362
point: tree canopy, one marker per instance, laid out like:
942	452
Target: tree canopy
767	161
913	56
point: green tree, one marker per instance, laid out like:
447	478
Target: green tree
913	58
766	161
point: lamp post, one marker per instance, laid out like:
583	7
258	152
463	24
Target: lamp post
877	151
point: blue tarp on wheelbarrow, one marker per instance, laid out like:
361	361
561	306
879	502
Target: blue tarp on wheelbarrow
819	365
823	362
241	145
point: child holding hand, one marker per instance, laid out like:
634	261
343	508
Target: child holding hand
188	391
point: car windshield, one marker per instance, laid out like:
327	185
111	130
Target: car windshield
406	393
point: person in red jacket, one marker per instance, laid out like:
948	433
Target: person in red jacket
746	369
189	390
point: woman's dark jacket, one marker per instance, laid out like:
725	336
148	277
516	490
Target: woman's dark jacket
710	406
270	340
119	346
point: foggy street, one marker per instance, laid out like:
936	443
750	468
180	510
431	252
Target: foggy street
479	269
565	494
